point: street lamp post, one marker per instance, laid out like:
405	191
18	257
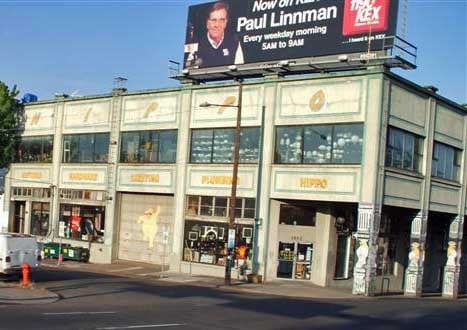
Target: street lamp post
233	195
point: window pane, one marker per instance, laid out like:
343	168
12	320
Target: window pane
317	144
249	209
449	163
249	145
129	147
289	145
101	147
192	207
220	209
407	156
223	146
168	146
201	146
206	205
347	144
238	208
86	148
398	142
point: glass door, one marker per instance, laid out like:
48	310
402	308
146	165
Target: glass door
285	267
303	259
295	260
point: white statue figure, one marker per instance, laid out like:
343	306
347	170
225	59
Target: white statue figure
362	253
414	255
452	253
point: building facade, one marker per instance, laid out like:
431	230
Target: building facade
353	179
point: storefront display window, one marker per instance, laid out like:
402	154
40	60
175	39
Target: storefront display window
319	144
149	147
86	148
82	222
206	242
217	145
34	149
40	213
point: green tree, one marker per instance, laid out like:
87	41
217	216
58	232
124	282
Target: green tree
10	121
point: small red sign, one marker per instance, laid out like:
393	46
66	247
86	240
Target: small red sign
362	16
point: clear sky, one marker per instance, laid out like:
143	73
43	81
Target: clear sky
80	46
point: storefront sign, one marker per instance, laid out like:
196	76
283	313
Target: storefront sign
39	118
31	175
274	30
82	176
143	177
308	182
218	180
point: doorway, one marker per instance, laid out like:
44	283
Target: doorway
18	219
295	259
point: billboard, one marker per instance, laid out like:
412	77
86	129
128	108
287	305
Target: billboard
238	32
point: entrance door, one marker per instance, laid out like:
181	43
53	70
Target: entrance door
18	220
295	260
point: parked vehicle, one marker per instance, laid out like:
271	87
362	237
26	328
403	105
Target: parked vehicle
16	249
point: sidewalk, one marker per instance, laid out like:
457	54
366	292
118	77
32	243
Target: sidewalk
13	293
140	270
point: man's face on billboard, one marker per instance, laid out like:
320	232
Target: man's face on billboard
216	24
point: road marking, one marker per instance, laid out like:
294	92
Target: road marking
124	269
78	313
149	274
144	326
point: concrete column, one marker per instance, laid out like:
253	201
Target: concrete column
454	251
414	272
183	155
369	217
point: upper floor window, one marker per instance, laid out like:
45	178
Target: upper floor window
217	145
86	148
404	150
149	147
446	162
34	149
319	144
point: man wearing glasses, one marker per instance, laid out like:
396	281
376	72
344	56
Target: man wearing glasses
218	47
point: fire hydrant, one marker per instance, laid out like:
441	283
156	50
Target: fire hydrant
26	269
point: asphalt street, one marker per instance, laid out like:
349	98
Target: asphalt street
103	301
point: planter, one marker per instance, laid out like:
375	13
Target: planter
255	278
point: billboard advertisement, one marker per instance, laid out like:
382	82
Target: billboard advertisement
228	32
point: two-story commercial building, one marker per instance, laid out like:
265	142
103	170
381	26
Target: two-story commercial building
352	178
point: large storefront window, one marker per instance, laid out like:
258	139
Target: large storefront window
82	215
206	229
446	162
217	145
34	149
319	144
404	150
40	213
82	222
149	147
86	148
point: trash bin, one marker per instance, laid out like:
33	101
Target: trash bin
52	250
76	253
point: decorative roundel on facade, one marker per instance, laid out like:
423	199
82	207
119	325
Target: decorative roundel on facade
317	100
229	100
151	108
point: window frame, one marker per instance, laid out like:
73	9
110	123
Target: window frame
69	139
156	139
396	134
455	162
212	144
300	138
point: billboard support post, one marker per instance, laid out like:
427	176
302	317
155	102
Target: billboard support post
232	239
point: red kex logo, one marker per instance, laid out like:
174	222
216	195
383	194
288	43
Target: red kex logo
361	16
